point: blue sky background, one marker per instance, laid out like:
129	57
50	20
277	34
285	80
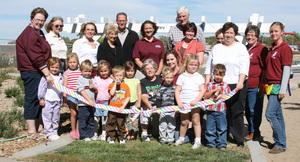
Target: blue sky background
15	14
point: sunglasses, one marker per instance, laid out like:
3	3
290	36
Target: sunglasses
59	26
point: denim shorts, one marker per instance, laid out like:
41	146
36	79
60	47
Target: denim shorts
72	100
100	112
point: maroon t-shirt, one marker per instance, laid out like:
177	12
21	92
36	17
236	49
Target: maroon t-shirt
149	50
257	55
276	59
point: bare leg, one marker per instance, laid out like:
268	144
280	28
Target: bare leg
184	124
196	122
31	126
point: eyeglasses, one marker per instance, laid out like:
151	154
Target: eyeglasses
151	68
59	26
39	20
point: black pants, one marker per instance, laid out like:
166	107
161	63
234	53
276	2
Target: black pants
86	121
235	112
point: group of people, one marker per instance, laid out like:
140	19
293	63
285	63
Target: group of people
124	71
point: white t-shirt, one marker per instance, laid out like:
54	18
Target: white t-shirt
235	58
58	45
85	51
190	87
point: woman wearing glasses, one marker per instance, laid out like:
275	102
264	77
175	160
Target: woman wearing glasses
33	51
58	45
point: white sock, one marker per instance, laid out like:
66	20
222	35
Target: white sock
144	133
181	138
198	140
103	132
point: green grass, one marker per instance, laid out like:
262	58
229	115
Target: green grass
138	151
11	121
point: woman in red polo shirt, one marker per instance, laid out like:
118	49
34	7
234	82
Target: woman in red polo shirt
278	67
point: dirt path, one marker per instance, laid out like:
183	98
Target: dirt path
291	113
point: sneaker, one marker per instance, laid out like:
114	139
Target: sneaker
162	142
86	139
108	139
54	137
102	137
223	148
196	145
95	137
276	150
111	142
122	142
209	147
170	142
145	139
179	142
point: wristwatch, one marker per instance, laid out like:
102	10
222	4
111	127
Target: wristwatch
47	75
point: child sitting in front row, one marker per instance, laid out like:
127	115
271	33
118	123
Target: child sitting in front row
135	99
120	96
87	87
50	98
216	125
166	97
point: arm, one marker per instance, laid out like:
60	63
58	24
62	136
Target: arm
201	58
42	91
177	96
169	40
124	104
113	89
240	83
160	67
100	53
200	96
208	68
207	95
284	81
65	84
85	95
146	101
139	91
138	62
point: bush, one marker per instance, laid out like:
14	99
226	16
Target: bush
11	121
20	101
12	92
3	76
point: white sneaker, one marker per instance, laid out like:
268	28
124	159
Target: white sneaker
122	142
86	139
179	142
196	145
111	142
95	137
54	137
103	137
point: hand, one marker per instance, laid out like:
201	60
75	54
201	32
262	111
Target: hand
280	96
92	86
219	96
180	105
138	105
193	103
92	103
42	103
121	109
239	86
50	79
65	101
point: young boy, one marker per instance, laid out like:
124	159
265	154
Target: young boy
120	96
216	125
166	97
86	86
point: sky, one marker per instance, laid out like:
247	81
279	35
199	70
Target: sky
15	14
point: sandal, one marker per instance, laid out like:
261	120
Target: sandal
42	133
33	136
73	135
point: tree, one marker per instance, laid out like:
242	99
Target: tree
163	38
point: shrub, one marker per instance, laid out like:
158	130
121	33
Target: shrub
12	92
3	76
11	121
20	101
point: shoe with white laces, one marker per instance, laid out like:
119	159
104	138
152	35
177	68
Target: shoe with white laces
145	138
179	142
95	137
102	137
122	142
86	139
111	142
196	145
54	137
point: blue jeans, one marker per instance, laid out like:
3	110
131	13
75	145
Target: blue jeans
216	129
275	117
253	109
86	121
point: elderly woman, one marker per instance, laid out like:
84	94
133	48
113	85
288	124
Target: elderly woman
58	45
278	67
109	49
150	84
189	45
149	47
86	48
235	57
254	100
33	51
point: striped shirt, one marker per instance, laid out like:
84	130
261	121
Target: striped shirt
225	89
72	77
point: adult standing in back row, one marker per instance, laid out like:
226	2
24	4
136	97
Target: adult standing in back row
175	34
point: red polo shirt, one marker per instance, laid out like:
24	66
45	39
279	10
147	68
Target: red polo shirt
257	55
276	59
149	50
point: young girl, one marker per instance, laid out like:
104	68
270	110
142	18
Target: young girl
103	81
70	81
50	98
189	90
135	99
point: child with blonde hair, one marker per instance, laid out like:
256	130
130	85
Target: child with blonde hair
103	81
50	99
190	89
71	76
